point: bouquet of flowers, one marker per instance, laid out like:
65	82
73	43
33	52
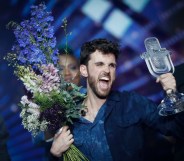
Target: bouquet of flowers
50	102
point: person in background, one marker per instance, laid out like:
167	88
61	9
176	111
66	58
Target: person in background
179	76
69	70
178	143
69	66
112	128
4	155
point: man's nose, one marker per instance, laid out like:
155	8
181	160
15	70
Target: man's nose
107	69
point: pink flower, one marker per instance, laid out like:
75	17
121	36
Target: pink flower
50	78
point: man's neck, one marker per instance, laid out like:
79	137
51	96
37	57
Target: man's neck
93	104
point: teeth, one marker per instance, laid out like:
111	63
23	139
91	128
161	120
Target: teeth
104	78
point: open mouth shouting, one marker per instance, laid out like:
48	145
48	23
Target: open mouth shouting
104	83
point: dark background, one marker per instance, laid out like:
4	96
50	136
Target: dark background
127	22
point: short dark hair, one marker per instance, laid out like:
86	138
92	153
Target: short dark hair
103	45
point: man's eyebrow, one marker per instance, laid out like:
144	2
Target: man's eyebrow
99	62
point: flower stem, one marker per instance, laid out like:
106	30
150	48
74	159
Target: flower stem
73	154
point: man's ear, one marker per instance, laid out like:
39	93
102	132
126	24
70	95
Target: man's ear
83	70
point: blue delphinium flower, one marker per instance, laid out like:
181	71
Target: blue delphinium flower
49	103
36	43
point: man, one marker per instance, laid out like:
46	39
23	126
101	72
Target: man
112	126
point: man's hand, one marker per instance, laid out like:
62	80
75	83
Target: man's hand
167	81
62	142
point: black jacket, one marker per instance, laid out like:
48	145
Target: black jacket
179	76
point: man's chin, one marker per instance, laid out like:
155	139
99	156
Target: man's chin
103	95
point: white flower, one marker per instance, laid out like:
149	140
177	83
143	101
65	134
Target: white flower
23	112
43	125
33	105
24	100
34	111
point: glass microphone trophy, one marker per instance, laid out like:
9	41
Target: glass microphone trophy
159	62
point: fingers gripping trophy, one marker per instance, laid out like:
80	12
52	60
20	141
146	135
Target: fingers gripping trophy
158	61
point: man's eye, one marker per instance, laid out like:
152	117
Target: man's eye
113	65
99	64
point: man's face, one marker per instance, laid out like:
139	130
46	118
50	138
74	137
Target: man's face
101	73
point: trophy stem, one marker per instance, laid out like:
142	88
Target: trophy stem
173	103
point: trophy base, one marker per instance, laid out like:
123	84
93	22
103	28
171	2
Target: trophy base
172	104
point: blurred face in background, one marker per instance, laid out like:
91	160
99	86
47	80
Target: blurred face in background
69	68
